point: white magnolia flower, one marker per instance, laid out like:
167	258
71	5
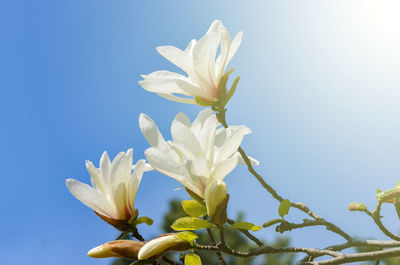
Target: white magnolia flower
198	61
162	244
114	189
199	153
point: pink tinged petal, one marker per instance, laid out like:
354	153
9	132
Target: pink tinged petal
204	54
183	135
177	99
91	198
151	132
223	168
119	196
232	144
178	57
234	47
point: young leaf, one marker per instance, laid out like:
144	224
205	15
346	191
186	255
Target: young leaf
231	91
190	223
143	219
245	226
192	259
194	208
284	208
221	91
188	236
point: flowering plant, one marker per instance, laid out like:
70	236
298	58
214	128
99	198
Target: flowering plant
199	156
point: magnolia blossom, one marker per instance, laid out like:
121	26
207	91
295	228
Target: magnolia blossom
114	187
198	61
162	244
199	154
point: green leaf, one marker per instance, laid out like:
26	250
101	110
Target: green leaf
192	259
143	219
194	208
284	208
231	91
378	191
221	90
246	226
272	222
188	236
190	223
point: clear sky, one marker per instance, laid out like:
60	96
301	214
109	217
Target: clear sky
320	88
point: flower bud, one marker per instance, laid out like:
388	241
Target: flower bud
119	248
389	196
162	244
357	206
216	198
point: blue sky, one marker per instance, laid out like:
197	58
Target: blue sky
319	88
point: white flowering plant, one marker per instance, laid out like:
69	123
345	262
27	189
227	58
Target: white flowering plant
199	156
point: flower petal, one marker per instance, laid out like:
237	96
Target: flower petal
177	99
151	132
232	143
223	168
91	198
234	47
178	57
183	135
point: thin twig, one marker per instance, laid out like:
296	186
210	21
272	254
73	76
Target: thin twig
218	253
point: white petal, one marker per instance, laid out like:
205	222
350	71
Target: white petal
151	132
97	180
234	47
232	144
177	99
206	138
254	162
91	198
198	167
163	163
200	120
105	168
189	48
134	182
222	58
178	57
223	168
183	135
167	82
183	118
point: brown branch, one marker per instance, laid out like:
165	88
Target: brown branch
286	226
349	258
